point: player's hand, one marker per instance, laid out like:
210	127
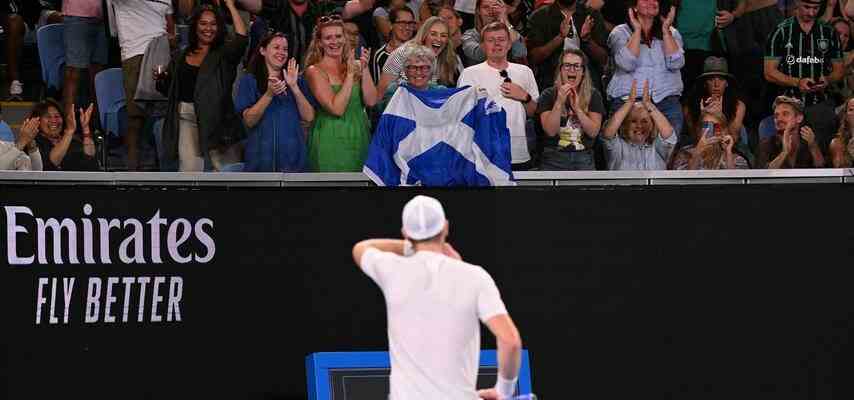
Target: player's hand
488	394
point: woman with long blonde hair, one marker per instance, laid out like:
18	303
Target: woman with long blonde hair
571	116
434	33
342	86
842	147
713	148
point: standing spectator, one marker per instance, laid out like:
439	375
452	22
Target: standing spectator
759	21
201	120
563	25
383	18
60	149
433	34
402	28
714	146
803	57
648	49
571	115
466	8
638	137
22	154
795	144
511	85
455	23
297	18
418	63
343	87
843	89
489	11
138	23
272	103
85	46
21	18
697	23
842	147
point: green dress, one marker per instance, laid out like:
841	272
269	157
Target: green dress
340	144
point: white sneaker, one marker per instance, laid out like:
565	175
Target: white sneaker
16	89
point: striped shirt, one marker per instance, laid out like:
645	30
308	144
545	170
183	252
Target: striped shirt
378	59
804	54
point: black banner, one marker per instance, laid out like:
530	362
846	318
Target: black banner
684	292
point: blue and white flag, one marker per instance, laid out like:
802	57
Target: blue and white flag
440	137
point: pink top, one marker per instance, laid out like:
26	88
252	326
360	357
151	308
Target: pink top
82	8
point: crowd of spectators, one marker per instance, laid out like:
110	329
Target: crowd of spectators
299	85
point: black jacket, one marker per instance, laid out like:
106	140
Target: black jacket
219	124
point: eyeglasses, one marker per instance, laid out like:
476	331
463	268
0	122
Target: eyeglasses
504	75
329	18
406	23
571	67
418	68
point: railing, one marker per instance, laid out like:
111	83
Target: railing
527	178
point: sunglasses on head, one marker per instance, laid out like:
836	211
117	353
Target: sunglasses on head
504	75
329	18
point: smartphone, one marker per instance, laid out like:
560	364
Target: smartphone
358	52
708	129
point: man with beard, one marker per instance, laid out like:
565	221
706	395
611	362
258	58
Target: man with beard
794	145
803	57
297	18
561	25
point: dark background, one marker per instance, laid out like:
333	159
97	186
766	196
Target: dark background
692	292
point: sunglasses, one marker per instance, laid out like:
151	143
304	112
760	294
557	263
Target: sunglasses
329	18
504	75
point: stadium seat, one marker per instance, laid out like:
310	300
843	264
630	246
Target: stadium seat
767	128
51	54
109	90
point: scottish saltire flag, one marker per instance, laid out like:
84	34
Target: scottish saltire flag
440	137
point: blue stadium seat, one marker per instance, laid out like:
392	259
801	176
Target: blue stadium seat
109	89
767	128
51	54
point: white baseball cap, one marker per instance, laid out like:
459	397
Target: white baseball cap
423	218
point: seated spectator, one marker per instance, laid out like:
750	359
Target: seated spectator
715	90
273	103
6	134
418	64
23	17
571	115
645	140
803	58
402	28
489	11
201	122
511	85
22	154
433	34
842	147
383	19
567	24
648	49
343	86
713	148
60	149
795	144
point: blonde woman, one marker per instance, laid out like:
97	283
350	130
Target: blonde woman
842	147
435	34
342	86
571	115
714	146
638	137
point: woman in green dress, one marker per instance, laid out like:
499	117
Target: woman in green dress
340	135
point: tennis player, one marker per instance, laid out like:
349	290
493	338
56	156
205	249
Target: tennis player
435	302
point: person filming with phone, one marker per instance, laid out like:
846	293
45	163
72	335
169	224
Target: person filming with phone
803	57
714	146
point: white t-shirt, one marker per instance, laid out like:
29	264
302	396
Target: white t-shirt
466	6
434	304
138	22
486	77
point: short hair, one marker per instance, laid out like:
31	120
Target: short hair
791	101
393	13
494	27
419	52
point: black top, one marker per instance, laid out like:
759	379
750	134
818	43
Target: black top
547	101
187	77
75	159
